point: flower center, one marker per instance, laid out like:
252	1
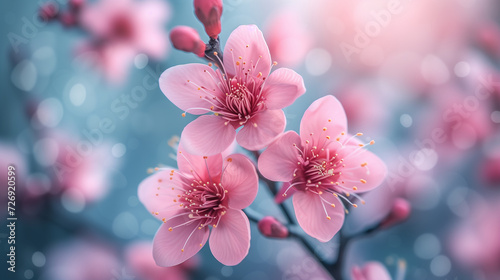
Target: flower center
320	165
205	201
241	102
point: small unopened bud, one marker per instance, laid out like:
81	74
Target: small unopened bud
209	13
76	5
270	227
400	211
490	171
186	39
68	19
48	11
488	37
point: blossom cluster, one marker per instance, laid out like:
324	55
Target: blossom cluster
238	96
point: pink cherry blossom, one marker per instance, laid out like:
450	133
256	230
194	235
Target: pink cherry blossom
203	192
474	242
140	261
459	125
371	271
122	29
243	95
80	170
321	165
82	260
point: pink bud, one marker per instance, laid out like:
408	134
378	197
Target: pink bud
400	211
270	227
490	171
209	13
186	39
488	37
76	5
48	11
68	19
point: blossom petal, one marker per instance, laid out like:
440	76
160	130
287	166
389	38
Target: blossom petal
279	160
310	212
262	129
247	42
240	180
282	88
207	135
375	270
200	166
184	84
168	245
326	112
156	193
364	170
230	240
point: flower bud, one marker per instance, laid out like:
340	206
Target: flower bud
68	19
186	39
48	11
209	13
400	211
488	38
490	171
270	227
76	5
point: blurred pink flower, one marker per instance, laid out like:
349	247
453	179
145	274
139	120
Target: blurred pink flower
81	170
209	13
320	165
82	260
371	271
121	29
205	191
355	96
244	94
140	260
487	37
475	243
408	42
455	122
288	39
489	169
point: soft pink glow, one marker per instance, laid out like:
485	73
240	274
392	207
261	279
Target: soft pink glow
288	38
474	242
139	257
